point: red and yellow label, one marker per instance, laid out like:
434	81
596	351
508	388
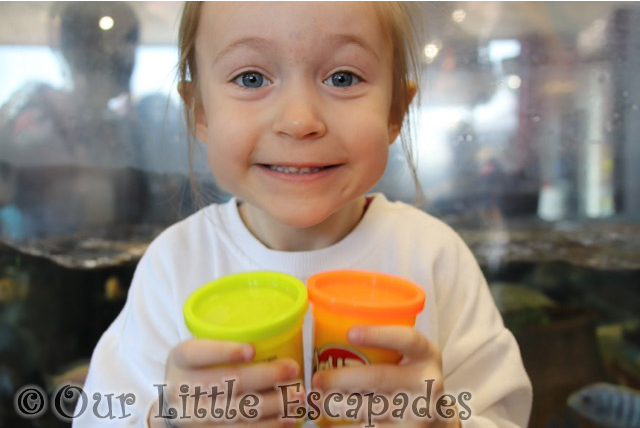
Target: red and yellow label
337	355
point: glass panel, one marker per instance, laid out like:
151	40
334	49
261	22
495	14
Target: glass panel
93	165
526	143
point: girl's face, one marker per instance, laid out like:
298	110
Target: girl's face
295	104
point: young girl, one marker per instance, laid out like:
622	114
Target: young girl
298	104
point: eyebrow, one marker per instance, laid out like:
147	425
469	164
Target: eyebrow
255	43
352	39
259	44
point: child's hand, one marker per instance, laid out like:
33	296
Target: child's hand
208	363
422	362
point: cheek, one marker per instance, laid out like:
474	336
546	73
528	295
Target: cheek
379	161
371	152
372	142
227	149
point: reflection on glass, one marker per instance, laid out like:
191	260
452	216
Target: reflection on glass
73	150
527	145
79	155
526	141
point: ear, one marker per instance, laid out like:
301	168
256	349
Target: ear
189	95
396	124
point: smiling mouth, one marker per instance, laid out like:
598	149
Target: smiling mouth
296	170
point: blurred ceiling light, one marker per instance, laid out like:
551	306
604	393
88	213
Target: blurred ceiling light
458	15
514	81
502	49
106	23
431	52
593	39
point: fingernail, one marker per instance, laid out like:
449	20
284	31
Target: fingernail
247	352
355	335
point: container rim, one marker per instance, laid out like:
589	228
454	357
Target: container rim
285	319
410	302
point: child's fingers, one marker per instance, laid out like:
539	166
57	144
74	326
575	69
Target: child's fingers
276	422
267	423
247	410
272	405
264	376
243	378
404	339
195	353
262	406
391	424
422	362
381	378
431	423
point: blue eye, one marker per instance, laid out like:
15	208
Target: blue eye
251	79
342	79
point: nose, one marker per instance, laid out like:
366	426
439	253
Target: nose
299	115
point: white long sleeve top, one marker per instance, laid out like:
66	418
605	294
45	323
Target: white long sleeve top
479	354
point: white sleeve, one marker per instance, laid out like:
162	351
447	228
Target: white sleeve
480	356
130	357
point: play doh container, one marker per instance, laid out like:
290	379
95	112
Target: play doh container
343	298
263	308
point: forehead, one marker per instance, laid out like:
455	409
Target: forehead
222	23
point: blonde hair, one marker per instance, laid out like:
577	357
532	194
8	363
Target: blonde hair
397	21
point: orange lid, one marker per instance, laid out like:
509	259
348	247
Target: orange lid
365	293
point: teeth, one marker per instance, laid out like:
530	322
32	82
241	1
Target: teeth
294	170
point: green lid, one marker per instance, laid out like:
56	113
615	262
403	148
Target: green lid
247	306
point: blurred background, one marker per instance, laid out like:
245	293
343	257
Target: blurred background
526	142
